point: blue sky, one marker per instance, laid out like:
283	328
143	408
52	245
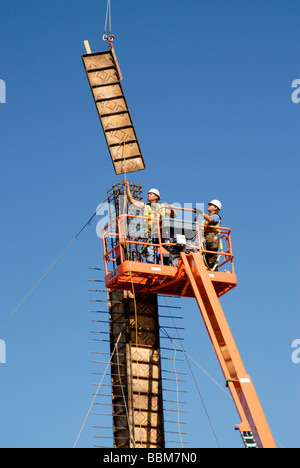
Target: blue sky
208	84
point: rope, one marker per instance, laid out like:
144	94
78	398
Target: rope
98	388
124	398
177	394
110	36
195	381
108	17
52	265
123	142
196	363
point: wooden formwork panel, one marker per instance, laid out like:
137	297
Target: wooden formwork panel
104	79
145	385
146	418
136	372
119	368
144	402
107	92
117	135
112	106
148	437
145	355
146	370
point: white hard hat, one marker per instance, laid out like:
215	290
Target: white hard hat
217	203
156	192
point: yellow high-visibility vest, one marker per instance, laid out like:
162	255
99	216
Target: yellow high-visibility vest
150	214
211	230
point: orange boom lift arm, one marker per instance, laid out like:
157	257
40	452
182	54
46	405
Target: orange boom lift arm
189	277
253	420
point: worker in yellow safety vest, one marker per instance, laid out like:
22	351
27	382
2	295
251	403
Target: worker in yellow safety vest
150	210
212	220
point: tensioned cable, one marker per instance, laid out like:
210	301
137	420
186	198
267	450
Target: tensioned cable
193	360
123	142
177	394
197	386
53	264
196	363
194	378
201	368
108	17
124	399
97	391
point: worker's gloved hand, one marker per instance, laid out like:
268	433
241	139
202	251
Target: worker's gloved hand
198	211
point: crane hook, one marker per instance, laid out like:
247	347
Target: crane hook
109	38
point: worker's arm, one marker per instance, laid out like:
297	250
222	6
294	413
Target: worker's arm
132	201
171	213
207	218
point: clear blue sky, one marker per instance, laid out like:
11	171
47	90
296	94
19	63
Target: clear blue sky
208	83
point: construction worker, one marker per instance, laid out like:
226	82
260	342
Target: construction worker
149	211
211	222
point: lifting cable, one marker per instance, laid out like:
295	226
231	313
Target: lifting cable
122	144
108	17
53	264
110	37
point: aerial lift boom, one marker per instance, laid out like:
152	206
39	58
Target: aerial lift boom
188	276
239	383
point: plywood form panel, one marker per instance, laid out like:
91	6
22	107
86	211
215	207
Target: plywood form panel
117	136
111	106
104	79
139	369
